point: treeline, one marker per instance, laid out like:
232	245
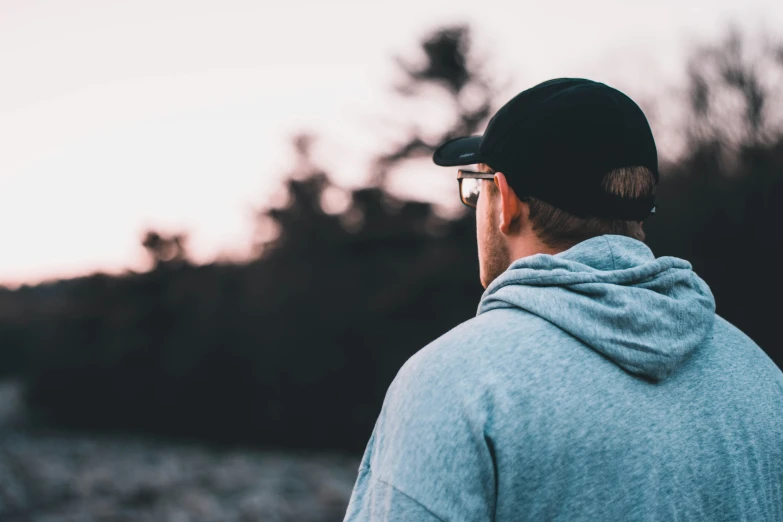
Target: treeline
297	348
294	350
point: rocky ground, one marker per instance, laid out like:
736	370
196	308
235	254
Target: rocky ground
54	477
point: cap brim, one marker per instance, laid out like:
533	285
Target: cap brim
459	151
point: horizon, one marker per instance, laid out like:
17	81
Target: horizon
102	129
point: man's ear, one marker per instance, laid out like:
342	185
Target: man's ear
510	206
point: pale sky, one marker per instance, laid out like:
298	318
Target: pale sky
116	116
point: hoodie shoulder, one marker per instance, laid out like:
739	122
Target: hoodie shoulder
740	353
474	359
425	441
471	347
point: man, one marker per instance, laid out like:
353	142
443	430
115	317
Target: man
596	381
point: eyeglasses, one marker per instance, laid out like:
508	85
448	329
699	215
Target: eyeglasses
470	185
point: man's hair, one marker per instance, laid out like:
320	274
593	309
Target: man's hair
562	230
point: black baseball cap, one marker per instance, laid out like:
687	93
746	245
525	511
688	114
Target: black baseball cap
556	142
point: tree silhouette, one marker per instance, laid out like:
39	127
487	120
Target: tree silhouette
448	66
733	87
165	250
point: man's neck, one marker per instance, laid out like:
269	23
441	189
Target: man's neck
530	245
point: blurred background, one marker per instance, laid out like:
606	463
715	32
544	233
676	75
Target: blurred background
222	234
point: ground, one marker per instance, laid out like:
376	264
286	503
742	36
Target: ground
55	477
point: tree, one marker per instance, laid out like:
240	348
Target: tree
165	251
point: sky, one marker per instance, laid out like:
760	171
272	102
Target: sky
120	116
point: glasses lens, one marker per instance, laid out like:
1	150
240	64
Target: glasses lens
469	191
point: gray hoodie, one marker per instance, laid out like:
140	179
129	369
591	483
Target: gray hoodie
595	384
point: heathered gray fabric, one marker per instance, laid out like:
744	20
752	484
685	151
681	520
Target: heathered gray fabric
595	384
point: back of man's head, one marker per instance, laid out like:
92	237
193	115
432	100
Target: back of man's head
560	230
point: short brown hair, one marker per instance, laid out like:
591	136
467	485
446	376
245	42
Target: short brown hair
562	230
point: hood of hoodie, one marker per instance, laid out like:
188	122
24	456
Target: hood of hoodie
647	315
